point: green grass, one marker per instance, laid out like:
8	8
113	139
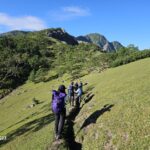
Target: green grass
125	126
29	128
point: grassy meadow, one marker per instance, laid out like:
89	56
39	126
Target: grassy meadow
117	116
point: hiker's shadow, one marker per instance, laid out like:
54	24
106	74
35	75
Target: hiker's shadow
88	97
94	116
69	130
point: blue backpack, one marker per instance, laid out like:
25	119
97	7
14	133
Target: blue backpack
58	101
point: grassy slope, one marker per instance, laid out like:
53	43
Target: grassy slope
125	126
31	128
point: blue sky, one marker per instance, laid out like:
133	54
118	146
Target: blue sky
127	21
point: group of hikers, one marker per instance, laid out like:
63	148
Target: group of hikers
59	98
74	93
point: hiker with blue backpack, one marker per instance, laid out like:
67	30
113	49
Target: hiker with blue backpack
71	93
81	86
59	110
79	93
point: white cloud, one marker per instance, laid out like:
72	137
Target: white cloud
76	11
70	12
18	23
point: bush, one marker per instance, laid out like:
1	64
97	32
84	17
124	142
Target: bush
121	58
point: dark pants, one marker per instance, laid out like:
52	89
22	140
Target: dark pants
78	101
59	122
71	99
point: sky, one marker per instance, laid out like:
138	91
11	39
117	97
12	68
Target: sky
126	21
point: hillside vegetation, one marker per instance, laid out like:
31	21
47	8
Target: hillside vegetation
33	55
115	117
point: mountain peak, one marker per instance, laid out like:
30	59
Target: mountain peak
57	33
14	33
101	41
62	35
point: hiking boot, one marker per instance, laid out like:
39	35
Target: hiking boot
58	137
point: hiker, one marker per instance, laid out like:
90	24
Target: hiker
71	93
76	86
79	94
75	89
59	110
81	86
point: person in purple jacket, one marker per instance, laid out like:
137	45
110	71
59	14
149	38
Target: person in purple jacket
59	110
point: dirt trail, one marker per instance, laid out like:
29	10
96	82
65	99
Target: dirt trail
68	141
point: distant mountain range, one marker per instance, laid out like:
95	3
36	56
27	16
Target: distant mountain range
61	35
101	41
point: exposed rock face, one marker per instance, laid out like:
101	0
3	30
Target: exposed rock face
109	47
116	45
84	39
98	39
101	41
61	35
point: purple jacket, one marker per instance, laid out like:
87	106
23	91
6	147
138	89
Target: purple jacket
58	101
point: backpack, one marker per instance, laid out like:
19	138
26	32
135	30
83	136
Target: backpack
79	91
58	101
